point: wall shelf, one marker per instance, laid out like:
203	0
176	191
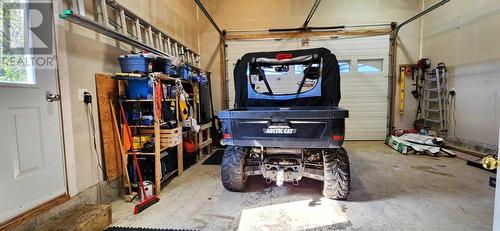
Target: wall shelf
145	100
151	153
166	138
147	126
168	176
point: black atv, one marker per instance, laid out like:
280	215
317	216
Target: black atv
286	123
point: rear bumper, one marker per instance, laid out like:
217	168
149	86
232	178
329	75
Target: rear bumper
284	143
313	127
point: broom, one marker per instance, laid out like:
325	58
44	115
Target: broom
147	201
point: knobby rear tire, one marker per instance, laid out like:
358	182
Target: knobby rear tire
232	173
337	175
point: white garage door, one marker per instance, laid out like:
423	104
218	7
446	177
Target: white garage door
364	78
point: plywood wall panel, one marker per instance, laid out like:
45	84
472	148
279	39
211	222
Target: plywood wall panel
107	88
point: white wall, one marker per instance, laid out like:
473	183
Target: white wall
465	35
88	53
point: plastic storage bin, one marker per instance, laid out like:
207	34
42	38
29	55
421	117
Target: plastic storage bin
140	89
134	62
184	72
173	71
161	65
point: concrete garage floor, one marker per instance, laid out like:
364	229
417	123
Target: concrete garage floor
389	192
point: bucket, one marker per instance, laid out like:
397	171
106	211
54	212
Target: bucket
140	89
148	187
134	62
161	65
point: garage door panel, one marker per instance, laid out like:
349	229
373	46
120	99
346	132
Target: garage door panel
372	130
364	123
360	109
365	95
362	92
363	106
369	105
345	85
362	79
346	53
359	114
366	130
361	99
365	136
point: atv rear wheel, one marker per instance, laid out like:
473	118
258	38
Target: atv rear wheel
232	173
337	175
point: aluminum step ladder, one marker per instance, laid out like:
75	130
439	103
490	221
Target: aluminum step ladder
436	99
115	21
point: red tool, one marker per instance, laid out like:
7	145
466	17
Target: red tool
148	201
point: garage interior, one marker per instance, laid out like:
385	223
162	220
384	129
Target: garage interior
80	124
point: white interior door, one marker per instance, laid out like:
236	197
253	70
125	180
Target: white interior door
31	164
364	78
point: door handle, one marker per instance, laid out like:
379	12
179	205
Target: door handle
52	97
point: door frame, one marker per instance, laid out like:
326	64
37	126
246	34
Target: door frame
65	103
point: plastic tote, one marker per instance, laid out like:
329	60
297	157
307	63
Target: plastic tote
140	89
184	72
162	65
134	62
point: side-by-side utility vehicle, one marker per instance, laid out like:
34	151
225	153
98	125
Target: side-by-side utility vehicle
286	123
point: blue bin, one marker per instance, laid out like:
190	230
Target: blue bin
184	72
162	65
133	63
173	71
140	89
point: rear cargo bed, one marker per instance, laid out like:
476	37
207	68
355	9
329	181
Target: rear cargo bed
290	127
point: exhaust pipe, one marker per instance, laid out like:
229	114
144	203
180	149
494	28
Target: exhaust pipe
292	151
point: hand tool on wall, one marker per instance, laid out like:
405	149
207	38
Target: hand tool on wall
417	94
147	201
420	69
402	89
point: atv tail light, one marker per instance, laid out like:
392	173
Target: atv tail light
284	56
226	136
337	138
